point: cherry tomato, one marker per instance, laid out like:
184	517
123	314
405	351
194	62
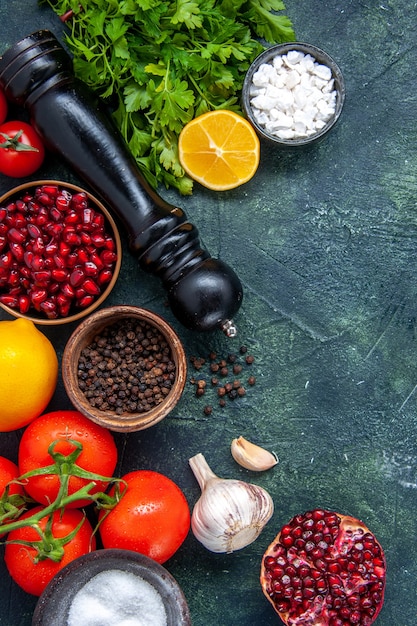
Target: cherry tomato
152	517
3	107
21	560
16	160
98	455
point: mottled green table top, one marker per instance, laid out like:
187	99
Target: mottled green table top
324	242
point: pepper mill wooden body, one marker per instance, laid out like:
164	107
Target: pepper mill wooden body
36	73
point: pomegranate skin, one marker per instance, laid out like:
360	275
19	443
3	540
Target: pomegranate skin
324	569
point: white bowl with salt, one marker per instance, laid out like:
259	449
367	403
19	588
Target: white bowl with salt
293	94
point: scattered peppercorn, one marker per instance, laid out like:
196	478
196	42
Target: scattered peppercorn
218	369
127	368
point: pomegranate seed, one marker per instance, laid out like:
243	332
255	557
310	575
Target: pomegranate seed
59	274
104	277
49	308
3	242
79	200
24	304
51	248
64	307
90	268
42	278
38	245
6	259
17	250
37	296
85	301
87	216
34	231
108	257
76	277
16	236
96	259
98	239
68	291
62	202
83	256
37	263
8	300
85	238
50	190
72	259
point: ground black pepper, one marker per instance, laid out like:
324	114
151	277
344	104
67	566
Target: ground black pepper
127	368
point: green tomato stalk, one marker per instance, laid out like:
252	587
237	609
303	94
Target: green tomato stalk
64	466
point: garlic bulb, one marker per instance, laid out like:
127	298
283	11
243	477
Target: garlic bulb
251	456
230	514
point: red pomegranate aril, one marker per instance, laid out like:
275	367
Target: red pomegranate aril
83	256
71	259
98	240
90	269
76	277
85	301
37	296
96	259
91	287
68	291
17	250
24	304
16	236
59	274
8	300
341	588
108	257
42	278
38	246
6	259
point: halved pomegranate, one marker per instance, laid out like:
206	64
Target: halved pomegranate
324	569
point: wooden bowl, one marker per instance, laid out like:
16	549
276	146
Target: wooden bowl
75	313
121	419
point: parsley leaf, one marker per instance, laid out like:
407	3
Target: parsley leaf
159	63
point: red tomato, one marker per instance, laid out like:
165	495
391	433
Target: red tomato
99	453
14	160
3	107
152	517
33	575
8	472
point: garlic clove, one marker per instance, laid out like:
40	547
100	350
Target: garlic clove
251	456
230	514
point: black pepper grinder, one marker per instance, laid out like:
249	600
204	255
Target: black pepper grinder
37	73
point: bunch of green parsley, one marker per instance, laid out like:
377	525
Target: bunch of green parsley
160	63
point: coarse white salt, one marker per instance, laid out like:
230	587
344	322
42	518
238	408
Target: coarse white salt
117	598
297	86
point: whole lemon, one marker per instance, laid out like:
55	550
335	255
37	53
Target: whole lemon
28	373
